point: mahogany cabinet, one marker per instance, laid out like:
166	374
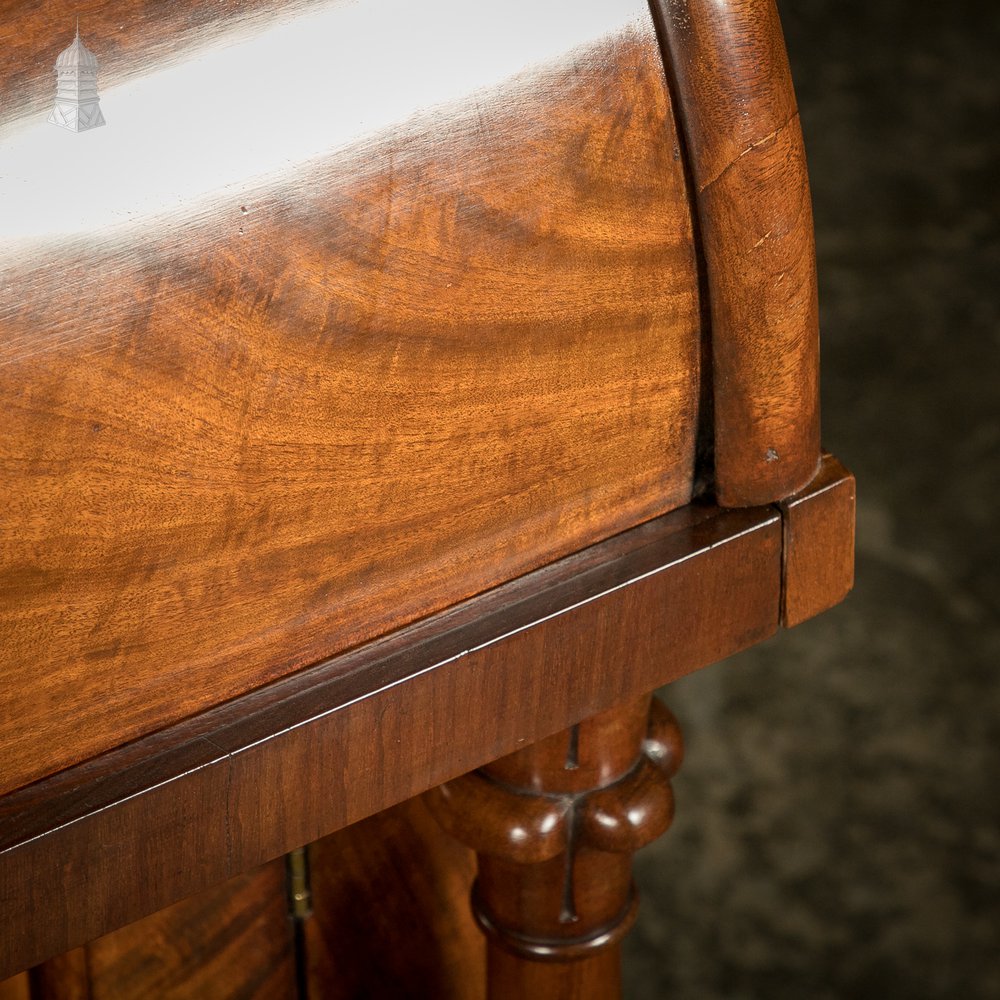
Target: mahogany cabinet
393	396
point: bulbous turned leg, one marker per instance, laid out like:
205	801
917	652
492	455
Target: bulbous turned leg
555	826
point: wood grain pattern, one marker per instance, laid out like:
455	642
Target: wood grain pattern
388	918
818	544
269	451
232	941
240	442
745	152
167	816
391	918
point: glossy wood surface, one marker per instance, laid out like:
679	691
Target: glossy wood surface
743	143
271	439
279	423
179	811
139	828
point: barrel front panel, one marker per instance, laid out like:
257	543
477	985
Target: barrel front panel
249	427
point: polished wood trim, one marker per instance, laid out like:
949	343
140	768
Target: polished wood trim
819	544
734	98
152	822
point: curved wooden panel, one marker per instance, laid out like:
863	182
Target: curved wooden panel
249	427
744	141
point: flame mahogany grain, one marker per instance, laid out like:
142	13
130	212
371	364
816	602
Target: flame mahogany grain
236	448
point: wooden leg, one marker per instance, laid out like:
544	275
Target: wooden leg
555	826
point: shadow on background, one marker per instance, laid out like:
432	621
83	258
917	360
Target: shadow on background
838	823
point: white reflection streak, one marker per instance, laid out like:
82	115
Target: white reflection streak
241	111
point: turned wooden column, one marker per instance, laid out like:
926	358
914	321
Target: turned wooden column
555	826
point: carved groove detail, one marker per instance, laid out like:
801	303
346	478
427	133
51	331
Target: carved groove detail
564	853
556	949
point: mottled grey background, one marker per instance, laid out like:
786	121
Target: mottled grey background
838	824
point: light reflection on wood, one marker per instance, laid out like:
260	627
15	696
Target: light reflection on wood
251	108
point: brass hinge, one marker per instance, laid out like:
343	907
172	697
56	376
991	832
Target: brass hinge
299	894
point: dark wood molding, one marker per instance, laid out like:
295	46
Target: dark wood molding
133	830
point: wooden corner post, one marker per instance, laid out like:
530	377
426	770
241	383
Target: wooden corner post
555	826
